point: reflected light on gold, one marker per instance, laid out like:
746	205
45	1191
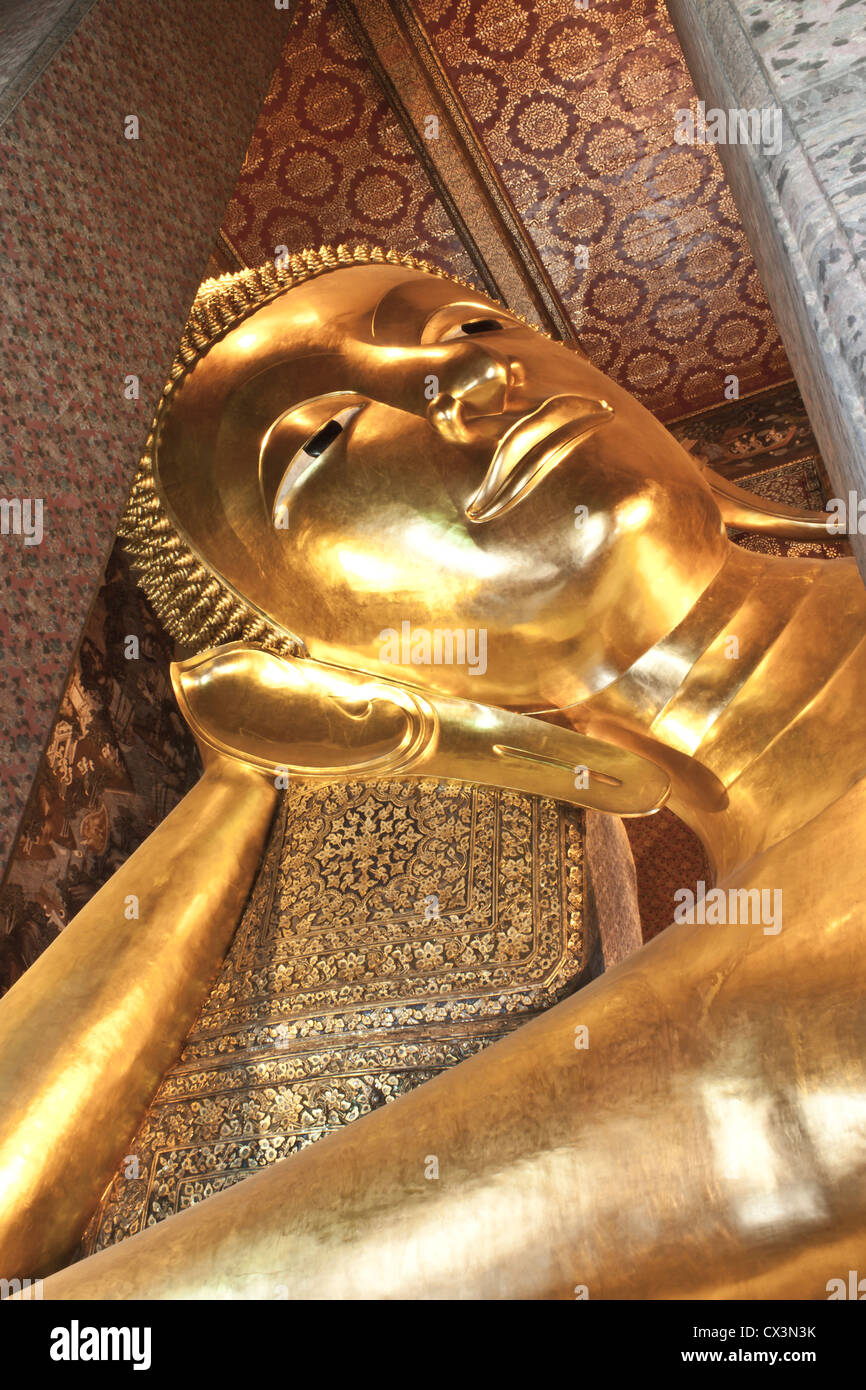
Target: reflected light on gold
752	1165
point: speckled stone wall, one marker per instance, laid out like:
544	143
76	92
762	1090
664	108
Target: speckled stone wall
104	242
803	204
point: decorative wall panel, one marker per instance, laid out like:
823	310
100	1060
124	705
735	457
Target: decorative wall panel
329	161
394	929
766	445
576	109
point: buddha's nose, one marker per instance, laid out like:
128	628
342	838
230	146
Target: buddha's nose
475	396
473	381
446	414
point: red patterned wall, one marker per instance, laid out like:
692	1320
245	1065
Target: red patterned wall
576	109
329	161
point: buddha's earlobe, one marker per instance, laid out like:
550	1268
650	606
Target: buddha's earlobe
744	511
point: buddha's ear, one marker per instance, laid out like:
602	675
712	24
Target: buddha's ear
744	511
308	721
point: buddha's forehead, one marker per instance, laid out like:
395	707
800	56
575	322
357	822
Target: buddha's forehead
368	304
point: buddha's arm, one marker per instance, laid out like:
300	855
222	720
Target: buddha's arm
88	1031
708	1141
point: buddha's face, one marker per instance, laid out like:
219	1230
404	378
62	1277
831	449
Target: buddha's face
379	456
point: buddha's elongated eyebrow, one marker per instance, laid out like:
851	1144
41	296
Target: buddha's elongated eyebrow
404	311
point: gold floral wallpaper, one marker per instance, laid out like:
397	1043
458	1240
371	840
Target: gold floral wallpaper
329	161
394	929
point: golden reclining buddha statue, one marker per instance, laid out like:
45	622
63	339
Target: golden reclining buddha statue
407	539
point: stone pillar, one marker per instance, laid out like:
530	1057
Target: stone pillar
803	205
125	125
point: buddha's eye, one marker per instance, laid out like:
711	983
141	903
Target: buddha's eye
306	460
480	326
325	436
471	327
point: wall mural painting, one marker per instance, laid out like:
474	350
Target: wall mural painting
118	759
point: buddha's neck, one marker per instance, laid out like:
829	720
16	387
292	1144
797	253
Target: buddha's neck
742	703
